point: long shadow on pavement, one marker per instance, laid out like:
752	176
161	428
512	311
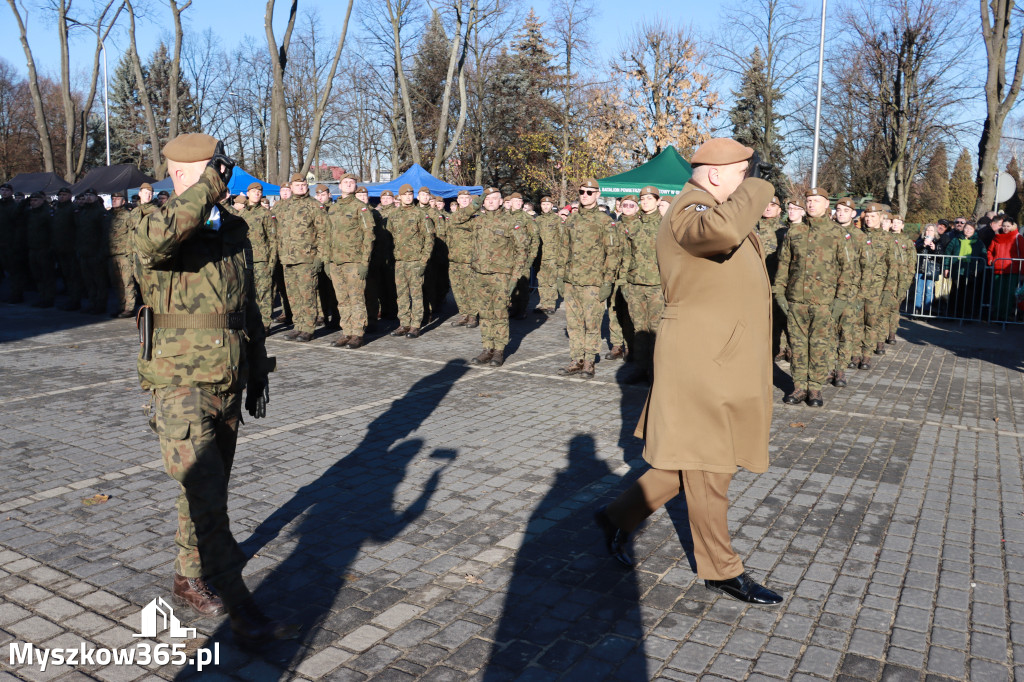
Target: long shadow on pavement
570	612
350	504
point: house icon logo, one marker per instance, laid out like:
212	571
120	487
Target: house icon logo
157	616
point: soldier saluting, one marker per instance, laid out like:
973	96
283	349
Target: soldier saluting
203	344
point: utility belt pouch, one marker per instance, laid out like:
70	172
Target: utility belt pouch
144	322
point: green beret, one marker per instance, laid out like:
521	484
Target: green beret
190	147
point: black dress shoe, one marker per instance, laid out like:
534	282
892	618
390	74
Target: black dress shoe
615	539
744	588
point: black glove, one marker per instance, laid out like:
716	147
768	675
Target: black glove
758	168
222	163
257	395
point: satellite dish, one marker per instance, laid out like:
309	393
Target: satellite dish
1006	187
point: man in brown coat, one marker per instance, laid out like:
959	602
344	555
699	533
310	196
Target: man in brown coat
710	405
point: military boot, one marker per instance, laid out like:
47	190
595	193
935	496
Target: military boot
840	379
497	358
461	321
413	333
574	367
864	363
281	319
401	331
483	358
814	399
854	361
797	396
588	369
616	353
880	348
341	341
303	337
355	342
472	321
891	339
195	593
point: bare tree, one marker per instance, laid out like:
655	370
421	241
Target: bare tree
573	18
1000	96
143	92
279	134
176	11
396	12
37	99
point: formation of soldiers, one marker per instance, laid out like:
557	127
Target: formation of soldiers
837	286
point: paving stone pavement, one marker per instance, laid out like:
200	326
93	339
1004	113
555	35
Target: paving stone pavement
425	519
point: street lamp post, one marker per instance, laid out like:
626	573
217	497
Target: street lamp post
817	104
106	101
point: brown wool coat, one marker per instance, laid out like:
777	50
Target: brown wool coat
710	404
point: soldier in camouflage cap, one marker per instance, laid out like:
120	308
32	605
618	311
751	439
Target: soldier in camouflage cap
301	224
91	222
643	284
618	313
875	265
458	236
263	237
40	257
205	347
121	258
588	257
851	322
813	286
412	230
349	244
521	293
549	229
62	228
904	253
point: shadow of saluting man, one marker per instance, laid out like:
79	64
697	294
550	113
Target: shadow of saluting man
351	503
573	614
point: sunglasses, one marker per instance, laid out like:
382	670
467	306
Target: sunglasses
587	192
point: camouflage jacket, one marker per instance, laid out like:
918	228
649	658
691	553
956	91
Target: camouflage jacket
91	230
904	257
458	235
301	225
591	248
549	229
767	232
529	223
120	228
813	266
875	263
499	243
187	269
641	245
853	252
37	228
62	226
413	233
350	232
262	233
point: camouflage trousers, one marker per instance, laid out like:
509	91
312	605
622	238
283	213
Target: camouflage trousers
380	287
850	329
893	322
350	289
646	304
546	285
812	338
198	430
300	281
875	324
94	275
70	274
41	263
464	283
409	288
122	275
614	303
492	303
263	282
583	314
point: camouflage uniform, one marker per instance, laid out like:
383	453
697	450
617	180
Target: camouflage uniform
531	239
90	233
643	286
874	271
905	260
458	235
549	229
121	261
435	277
813	276
63	233
500	247
414	240
588	256
13	250
349	244
851	323
767	231
301	222
207	346
618	310
380	283
40	257
263	237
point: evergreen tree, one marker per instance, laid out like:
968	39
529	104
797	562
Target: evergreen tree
754	117
426	85
963	193
930	199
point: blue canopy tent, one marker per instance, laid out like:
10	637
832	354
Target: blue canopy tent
240	181
417	176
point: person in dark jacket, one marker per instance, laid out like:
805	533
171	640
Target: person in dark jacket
928	264
965	266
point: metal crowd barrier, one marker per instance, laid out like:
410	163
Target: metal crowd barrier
965	289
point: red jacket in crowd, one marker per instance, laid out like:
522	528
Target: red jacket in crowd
1004	247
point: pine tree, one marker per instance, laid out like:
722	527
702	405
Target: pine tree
755	118
426	85
930	199
963	193
128	138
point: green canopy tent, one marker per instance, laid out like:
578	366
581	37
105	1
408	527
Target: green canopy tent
667	171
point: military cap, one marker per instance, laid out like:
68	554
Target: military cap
405	189
794	202
434	197
350	176
116	194
463	192
388	193
720	151
775	200
297	177
90	190
37	195
547	199
847	202
322	188
422	189
361	189
164	193
629	197
515	195
6	185
491	190
817	192
590	183
144	185
873	208
887	216
241	199
190	147
252	186
651	189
